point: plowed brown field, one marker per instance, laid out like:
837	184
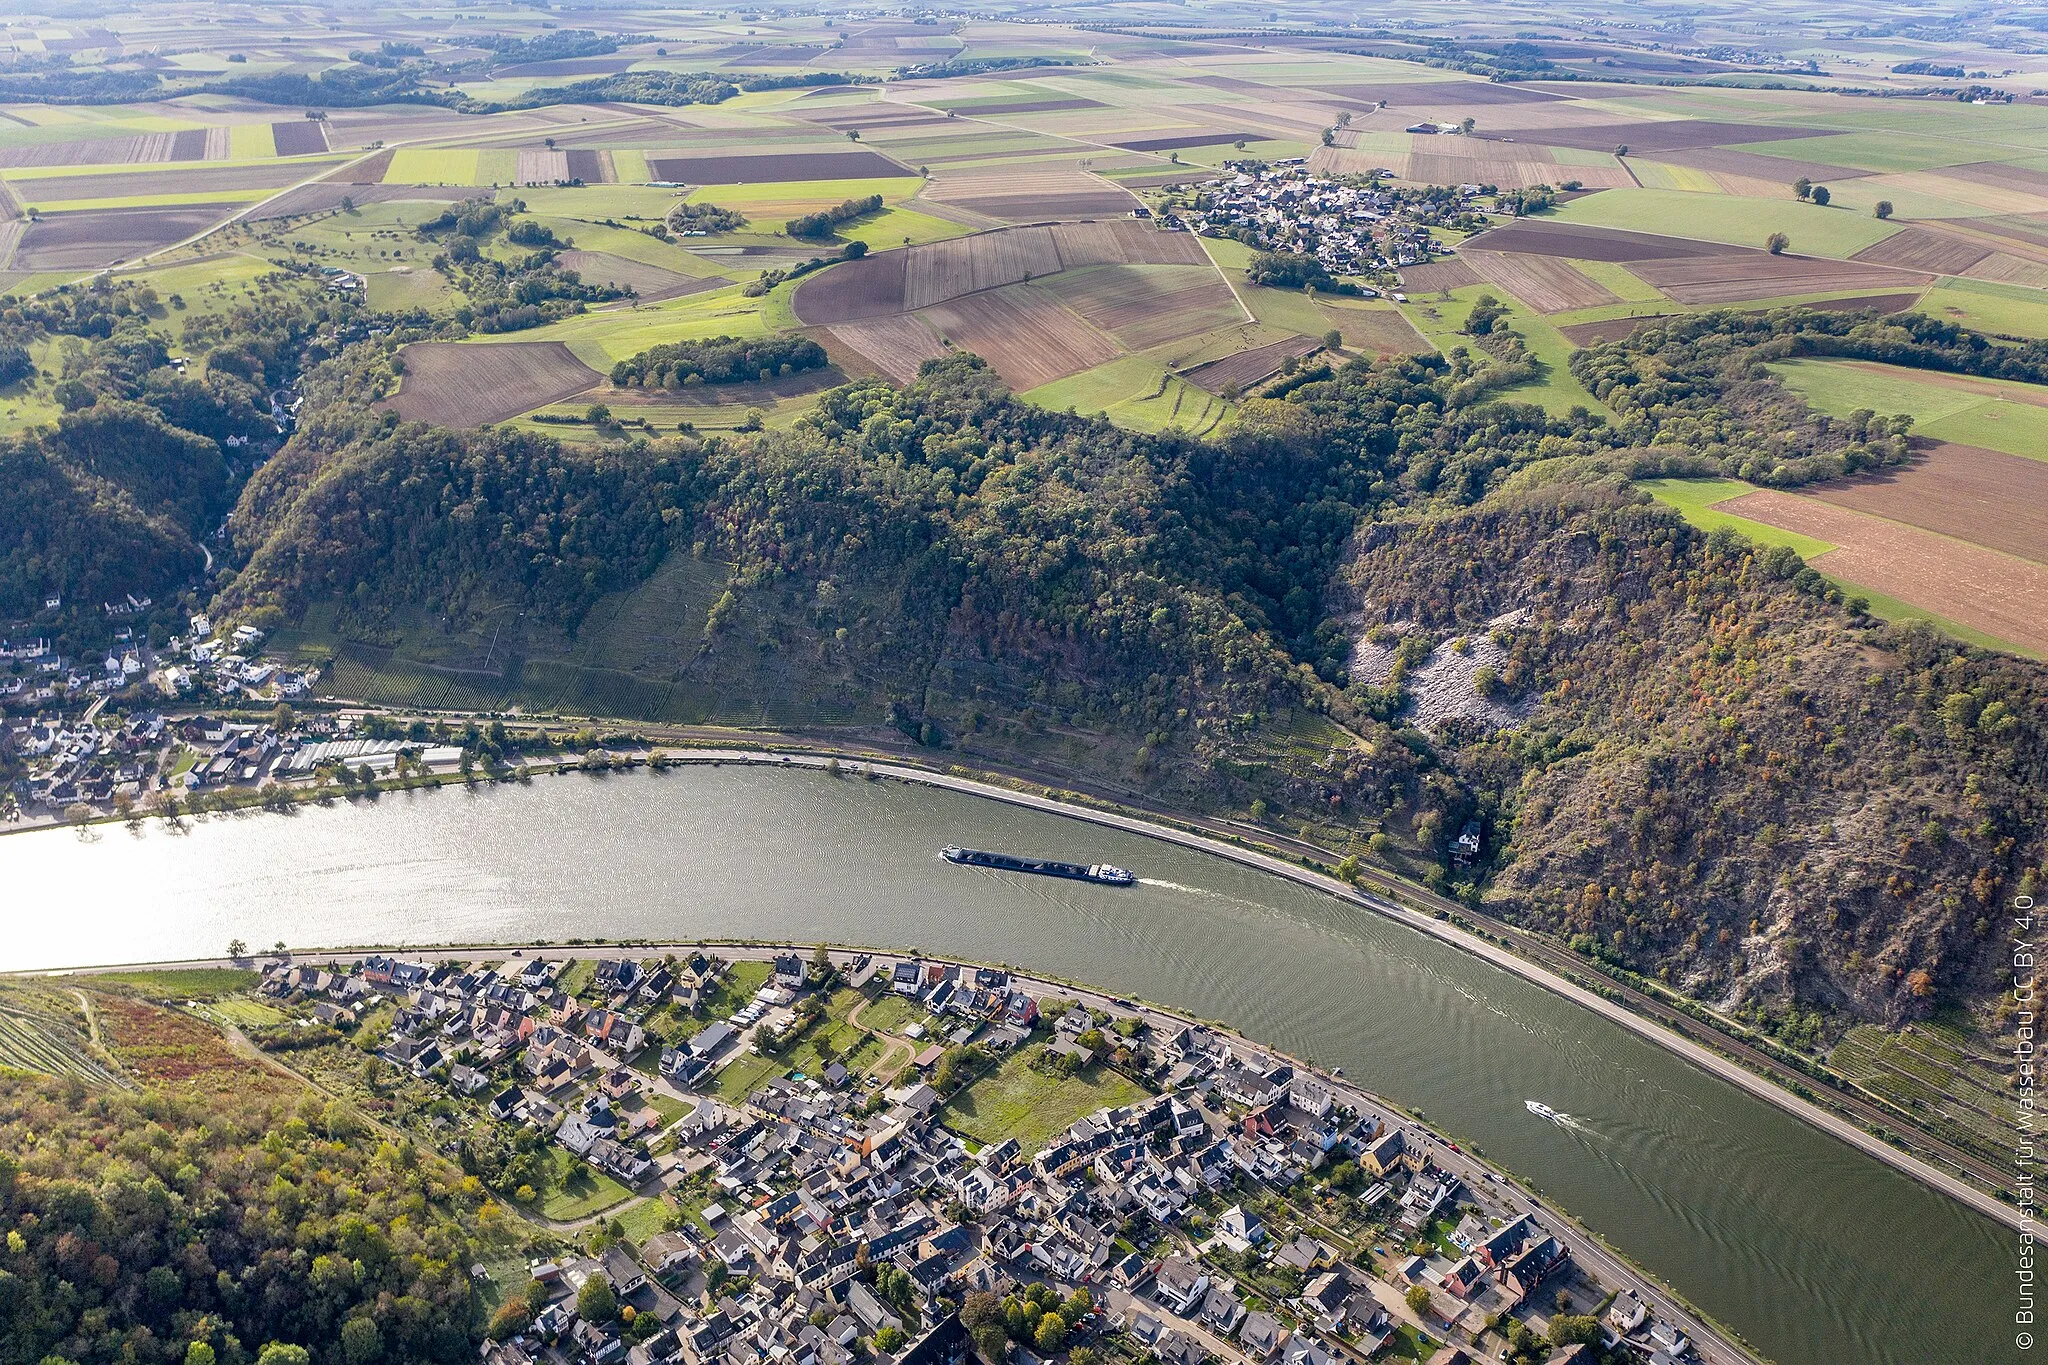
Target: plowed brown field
2000	594
1027	337
467	386
1985	496
1546	283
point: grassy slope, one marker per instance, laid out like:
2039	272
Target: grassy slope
2003	309
2012	425
1555	391
1838	232
1696	501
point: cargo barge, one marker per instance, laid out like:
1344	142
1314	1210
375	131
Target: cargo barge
1104	874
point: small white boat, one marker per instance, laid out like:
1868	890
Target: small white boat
1541	1110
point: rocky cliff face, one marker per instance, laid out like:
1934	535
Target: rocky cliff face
1724	778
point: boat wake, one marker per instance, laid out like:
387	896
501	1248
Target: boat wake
1557	1116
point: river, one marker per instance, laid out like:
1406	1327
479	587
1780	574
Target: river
1811	1250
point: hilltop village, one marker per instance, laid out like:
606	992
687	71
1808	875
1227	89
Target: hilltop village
842	1158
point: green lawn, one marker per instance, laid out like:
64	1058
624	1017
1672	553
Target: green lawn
1556	391
889	1013
737	986
577	975
576	1190
1016	1101
243	1012
1872	151
1814	231
184	983
2002	309
645	1219
1939	409
1695	500
744	1075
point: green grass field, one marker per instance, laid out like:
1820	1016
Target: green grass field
1814	231
1976	415
183	983
242	1012
1695	500
1556	391
2001	309
1135	392
1016	1101
577	1190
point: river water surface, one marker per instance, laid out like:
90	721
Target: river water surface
1811	1250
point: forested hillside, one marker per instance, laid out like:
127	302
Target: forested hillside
144	453
212	1208
992	578
1726	780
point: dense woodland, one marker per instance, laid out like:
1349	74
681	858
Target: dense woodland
147	453
215	1212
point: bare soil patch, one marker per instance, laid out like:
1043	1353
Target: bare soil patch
466	386
1998	175
1026	336
873	114
568	66
773	169
1030	194
1760	275
1535	237
1546	283
1777	170
1032	106
326	195
1648	139
2000	594
1882	303
919	276
1249	367
1434	92
1918	248
299	137
1383	331
1148	305
1984	496
650	282
964	265
128	184
1610	329
1175	142
591	166
86	241
2003	268
1454	273
896	345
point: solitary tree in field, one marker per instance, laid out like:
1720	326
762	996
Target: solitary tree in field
1821	195
237	949
1883	208
1621	149
1777	243
1467	124
1802	187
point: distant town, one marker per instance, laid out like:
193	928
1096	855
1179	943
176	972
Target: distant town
832	1157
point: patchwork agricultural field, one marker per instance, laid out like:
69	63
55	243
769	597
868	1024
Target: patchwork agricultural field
1914	545
905	191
